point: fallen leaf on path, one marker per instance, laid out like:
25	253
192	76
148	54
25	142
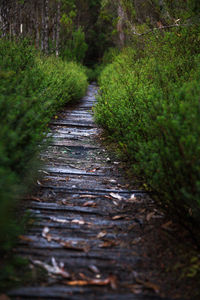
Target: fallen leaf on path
25	238
108	197
54	219
116	196
88	282
167	225
132	199
112	181
93	170
46	235
108	244
111	280
64	202
136	241
34	199
115	203
101	234
83	276
118	217
79	222
94	269
149	216
135	288
54	269
90	204
45	172
149	285
87	196
107	181
46	179
67	178
73	246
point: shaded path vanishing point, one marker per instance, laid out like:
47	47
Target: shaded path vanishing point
89	225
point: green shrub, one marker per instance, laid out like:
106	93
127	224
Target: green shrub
76	47
149	104
32	89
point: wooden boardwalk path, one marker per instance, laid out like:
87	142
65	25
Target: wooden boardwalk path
88	225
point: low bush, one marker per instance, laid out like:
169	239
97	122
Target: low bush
149	104
32	88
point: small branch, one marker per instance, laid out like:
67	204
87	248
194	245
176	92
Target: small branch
163	27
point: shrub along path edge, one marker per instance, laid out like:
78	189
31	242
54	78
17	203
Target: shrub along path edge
91	226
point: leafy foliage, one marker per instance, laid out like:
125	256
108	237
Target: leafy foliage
75	49
149	104
32	88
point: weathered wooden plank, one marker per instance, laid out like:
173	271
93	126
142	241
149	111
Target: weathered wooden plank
97	191
77	293
64	208
72	124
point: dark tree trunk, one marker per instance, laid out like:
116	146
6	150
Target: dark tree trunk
120	29
46	27
37	25
58	28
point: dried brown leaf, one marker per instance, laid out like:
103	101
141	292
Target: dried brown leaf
35	199
118	217
79	222
46	179
90	204
62	221
93	170
108	244
132	199
115	203
46	235
135	288
149	285
101	234
149	216
87	196
167	225
99	282
54	269
25	238
108	197
94	269
73	246
116	196
136	241
113	282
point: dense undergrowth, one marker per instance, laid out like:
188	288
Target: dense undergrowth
149	105
32	89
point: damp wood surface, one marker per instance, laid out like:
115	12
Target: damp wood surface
90	226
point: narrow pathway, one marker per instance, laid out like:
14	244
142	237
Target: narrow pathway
88	223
